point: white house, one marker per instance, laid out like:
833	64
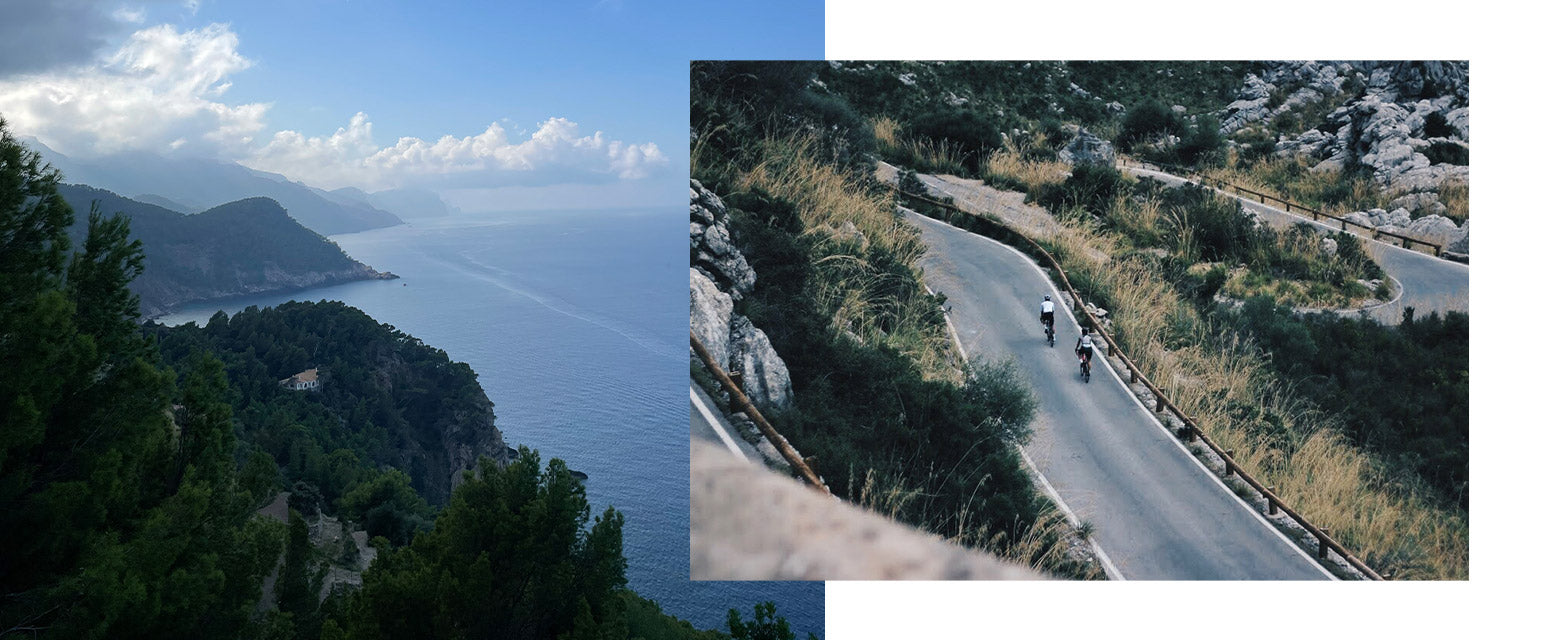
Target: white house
304	381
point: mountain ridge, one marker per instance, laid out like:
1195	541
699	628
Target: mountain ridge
239	248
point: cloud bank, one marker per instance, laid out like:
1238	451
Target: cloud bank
162	91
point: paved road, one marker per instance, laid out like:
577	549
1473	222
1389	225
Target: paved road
1427	283
707	423
1157	512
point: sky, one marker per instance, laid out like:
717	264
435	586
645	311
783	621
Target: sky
496	105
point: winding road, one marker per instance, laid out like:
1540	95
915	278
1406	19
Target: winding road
1427	283
1157	512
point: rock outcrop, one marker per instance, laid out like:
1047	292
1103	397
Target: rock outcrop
710	243
1087	148
719	275
1405	122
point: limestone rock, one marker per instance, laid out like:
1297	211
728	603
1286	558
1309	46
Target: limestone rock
710	243
1087	148
710	315
765	377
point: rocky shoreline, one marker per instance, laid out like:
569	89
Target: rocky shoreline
156	304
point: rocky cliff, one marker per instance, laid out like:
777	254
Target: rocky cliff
1405	122
719	275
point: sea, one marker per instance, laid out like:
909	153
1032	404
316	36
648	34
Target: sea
576	323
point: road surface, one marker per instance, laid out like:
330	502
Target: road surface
1158	513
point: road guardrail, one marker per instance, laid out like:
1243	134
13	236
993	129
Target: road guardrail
1286	205
1162	404
740	402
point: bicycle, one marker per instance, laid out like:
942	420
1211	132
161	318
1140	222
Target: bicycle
1087	369
1049	332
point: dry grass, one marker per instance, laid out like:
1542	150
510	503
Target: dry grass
848	286
928	156
1454	194
1295	180
1210	374
1009	165
1044	545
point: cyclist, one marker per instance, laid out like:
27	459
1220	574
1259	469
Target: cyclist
1047	313
1084	347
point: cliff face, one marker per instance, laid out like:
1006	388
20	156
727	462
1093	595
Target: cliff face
384	399
240	248
444	438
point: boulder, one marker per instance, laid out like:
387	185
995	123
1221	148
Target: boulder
765	377
710	315
1424	204
1087	148
1440	228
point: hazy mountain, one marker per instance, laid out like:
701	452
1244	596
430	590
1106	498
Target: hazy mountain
404	203
239	248
165	203
199	184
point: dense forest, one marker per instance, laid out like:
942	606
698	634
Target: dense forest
134	460
241	247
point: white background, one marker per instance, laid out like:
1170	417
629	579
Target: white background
1504	595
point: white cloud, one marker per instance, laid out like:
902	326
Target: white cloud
161	91
160	87
553	154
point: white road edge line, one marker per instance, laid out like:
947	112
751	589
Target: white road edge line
1103	558
1155	421
726	438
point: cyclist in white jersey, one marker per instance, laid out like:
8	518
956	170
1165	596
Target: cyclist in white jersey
1084	347
1047	313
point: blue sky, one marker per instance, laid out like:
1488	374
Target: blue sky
588	100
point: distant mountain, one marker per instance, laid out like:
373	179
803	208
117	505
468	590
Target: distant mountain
238	248
165	203
199	184
404	203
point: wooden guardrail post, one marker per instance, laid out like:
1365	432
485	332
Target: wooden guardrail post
1227	460
1270	498
1323	543
741	402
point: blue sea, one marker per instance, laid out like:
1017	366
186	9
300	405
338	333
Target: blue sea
575	322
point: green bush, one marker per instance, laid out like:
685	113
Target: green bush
1445	152
1091	188
1436	126
971	132
1403	391
1145	121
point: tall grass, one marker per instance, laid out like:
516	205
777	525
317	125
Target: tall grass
1334	192
865	302
932	156
1012	167
1280	439
1046	544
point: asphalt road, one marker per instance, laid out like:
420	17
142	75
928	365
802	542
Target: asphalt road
1157	512
1427	282
707	423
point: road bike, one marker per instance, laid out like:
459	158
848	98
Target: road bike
1087	369
1049	333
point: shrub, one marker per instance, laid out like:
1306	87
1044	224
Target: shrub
1092	188
972	133
1445	152
1147	120
1437	126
